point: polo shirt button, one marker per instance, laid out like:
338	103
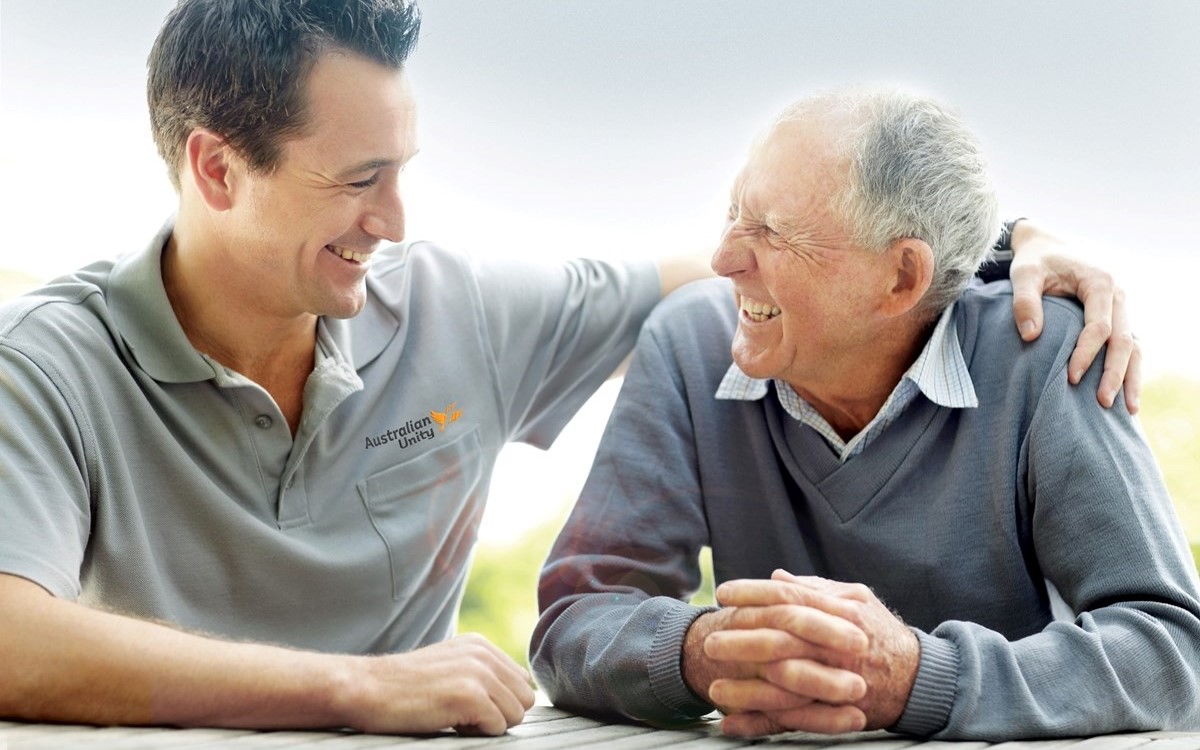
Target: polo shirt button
263	421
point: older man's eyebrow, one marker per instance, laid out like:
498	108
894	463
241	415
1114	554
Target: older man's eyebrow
780	224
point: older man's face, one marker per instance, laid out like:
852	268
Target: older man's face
807	296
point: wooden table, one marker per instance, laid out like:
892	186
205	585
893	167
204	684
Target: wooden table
544	728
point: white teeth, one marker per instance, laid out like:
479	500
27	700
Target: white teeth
759	311
348	254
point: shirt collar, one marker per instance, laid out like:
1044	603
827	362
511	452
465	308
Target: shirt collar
365	336
143	314
147	322
939	372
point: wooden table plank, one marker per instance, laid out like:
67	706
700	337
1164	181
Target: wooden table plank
856	741
356	741
1102	742
16	731
602	734
1058	744
1180	741
567	723
81	736
285	740
1110	742
545	728
713	742
646	741
541	713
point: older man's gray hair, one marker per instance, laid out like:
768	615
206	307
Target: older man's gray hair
915	170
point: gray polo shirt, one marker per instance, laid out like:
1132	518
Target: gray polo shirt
140	475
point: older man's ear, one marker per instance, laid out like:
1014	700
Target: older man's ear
910	264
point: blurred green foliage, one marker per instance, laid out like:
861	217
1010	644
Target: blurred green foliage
501	597
1170	417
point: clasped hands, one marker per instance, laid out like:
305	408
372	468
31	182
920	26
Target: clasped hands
801	654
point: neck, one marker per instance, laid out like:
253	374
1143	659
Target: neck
226	319
853	392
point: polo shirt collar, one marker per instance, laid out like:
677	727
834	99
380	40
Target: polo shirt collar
366	335
143	314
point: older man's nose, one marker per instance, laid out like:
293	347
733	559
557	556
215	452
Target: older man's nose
733	255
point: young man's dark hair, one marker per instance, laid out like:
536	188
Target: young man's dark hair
239	67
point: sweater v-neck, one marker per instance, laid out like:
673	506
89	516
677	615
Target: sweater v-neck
848	486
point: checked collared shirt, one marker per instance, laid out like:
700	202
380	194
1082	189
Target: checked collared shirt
939	372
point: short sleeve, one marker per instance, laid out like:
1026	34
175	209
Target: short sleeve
44	500
557	332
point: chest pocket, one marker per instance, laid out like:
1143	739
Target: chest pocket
427	512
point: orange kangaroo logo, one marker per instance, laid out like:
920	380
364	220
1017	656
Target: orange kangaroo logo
444	418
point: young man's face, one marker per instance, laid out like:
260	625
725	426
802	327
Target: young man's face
306	231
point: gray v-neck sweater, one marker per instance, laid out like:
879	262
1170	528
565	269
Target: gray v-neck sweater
956	518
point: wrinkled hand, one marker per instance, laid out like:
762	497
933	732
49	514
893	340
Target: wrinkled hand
887	664
747	659
465	683
1040	266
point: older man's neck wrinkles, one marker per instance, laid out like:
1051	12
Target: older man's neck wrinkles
856	390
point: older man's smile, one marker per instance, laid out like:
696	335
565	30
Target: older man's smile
758	312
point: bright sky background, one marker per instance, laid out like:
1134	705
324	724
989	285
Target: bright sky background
552	128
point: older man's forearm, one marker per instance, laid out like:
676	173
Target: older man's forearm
616	656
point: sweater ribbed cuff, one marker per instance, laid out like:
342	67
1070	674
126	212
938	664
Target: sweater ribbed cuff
666	663
933	692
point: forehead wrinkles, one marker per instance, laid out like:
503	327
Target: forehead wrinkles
803	167
775	186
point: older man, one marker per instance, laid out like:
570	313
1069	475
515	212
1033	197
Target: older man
882	439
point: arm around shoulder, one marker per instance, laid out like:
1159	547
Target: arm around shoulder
675	271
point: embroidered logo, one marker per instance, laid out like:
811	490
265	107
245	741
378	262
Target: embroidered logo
443	418
415	431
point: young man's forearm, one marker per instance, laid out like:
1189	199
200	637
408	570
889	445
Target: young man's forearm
64	662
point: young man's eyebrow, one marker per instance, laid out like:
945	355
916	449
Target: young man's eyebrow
371	165
367	166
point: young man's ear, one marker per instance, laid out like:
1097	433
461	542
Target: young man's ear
208	166
912	273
